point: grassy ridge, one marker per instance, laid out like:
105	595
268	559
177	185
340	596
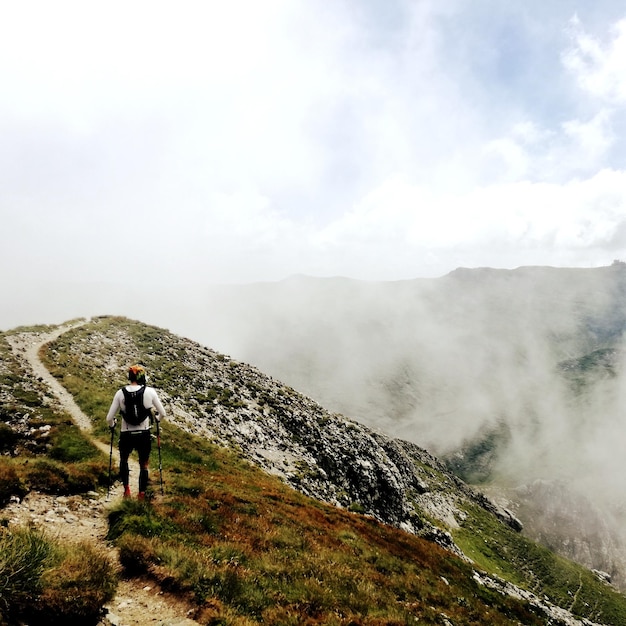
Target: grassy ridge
246	549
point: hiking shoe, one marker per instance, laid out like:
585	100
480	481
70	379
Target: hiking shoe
127	492
141	495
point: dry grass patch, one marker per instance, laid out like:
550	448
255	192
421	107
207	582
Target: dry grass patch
45	580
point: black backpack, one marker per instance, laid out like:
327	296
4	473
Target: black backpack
135	412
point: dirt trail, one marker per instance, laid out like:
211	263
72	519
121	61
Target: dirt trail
29	344
83	518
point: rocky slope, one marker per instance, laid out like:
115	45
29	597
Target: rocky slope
515	376
322	454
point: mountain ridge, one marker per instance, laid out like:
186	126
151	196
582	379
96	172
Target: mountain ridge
330	458
535	353
177	367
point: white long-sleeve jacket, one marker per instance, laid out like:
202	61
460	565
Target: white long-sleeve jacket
150	401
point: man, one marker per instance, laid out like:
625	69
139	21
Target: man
137	403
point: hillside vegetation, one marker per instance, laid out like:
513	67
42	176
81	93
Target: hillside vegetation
240	543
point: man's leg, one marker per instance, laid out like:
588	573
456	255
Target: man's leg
144	462
125	450
143	481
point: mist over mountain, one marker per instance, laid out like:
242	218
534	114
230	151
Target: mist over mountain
441	361
515	376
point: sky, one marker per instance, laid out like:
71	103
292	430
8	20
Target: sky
242	141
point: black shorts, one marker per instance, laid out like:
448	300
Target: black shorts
139	440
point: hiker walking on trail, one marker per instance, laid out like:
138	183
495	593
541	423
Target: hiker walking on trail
138	404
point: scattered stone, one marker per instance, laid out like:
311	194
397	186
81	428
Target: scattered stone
110	619
603	576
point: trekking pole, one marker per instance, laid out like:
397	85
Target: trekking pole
159	449
110	461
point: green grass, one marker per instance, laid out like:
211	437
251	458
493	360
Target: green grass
500	551
70	445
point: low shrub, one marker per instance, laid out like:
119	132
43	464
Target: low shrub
76	589
42	580
48	477
11	483
24	555
136	554
8	438
54	477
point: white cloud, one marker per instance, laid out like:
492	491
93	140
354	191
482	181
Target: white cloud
255	140
599	68
591	139
507	158
568	222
